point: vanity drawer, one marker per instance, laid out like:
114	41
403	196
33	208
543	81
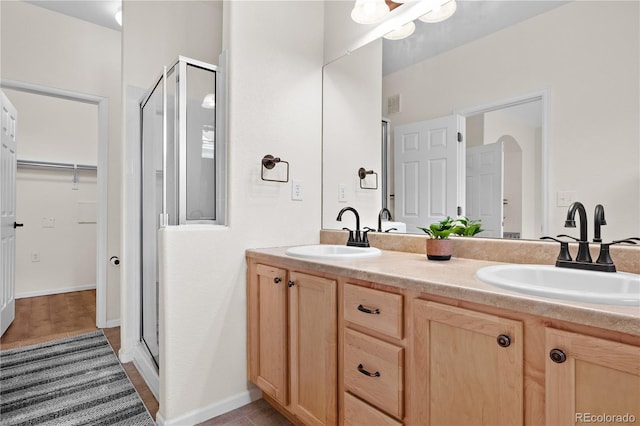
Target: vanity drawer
374	309
358	413
373	370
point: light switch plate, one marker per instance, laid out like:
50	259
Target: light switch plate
565	198
342	193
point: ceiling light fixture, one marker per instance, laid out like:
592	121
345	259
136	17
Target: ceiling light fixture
369	11
403	32
209	101
118	16
441	13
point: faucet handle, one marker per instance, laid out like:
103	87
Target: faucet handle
626	241
350	235
564	247
566	236
365	237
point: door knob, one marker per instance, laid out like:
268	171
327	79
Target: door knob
17	225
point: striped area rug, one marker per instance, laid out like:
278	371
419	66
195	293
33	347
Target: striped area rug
73	381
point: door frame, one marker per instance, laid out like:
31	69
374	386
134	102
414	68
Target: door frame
543	97
103	125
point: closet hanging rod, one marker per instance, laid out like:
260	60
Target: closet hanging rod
51	165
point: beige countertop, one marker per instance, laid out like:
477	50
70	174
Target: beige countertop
456	279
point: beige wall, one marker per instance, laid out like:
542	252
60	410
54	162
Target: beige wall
586	54
49	49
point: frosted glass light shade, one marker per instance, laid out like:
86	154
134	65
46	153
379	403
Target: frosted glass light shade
441	13
209	101
403	32
118	17
369	11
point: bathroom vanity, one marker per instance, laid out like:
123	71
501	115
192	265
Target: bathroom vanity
400	340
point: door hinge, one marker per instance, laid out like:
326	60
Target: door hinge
459	211
459	137
164	220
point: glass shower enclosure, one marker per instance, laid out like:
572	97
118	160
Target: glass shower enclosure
183	165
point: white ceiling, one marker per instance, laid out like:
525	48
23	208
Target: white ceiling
473	19
100	12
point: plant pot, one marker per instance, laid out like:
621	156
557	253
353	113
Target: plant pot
438	249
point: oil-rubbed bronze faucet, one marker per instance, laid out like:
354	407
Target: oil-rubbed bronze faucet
583	243
382	212
357	240
583	259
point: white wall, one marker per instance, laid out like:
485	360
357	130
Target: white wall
275	83
53	50
587	55
154	34
352	135
55	130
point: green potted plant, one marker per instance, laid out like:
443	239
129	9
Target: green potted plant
439	245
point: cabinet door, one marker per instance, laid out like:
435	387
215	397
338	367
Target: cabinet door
469	367
313	353
267	343
590	380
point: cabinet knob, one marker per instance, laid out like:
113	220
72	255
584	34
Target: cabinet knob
277	280
504	341
366	373
369	311
557	356
291	284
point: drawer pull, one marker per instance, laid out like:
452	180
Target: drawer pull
366	373
375	311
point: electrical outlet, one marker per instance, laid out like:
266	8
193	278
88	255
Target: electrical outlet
342	193
48	222
35	256
296	190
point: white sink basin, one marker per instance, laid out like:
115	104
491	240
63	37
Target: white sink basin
332	252
609	288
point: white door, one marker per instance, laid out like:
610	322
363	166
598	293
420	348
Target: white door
485	167
7	213
427	171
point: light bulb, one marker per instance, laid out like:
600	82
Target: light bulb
403	32
369	11
209	101
118	16
441	13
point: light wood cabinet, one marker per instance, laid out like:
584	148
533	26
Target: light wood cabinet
374	371
590	380
330	350
292	341
313	348
468	367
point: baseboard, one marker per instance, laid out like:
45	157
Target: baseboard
217	408
113	323
147	370
55	291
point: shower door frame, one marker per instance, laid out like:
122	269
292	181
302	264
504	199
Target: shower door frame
178	216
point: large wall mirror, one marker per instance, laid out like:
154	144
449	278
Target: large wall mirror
546	97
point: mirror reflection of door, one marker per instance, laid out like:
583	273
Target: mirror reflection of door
501	183
518	128
427	171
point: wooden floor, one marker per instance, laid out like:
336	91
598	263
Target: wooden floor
44	318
